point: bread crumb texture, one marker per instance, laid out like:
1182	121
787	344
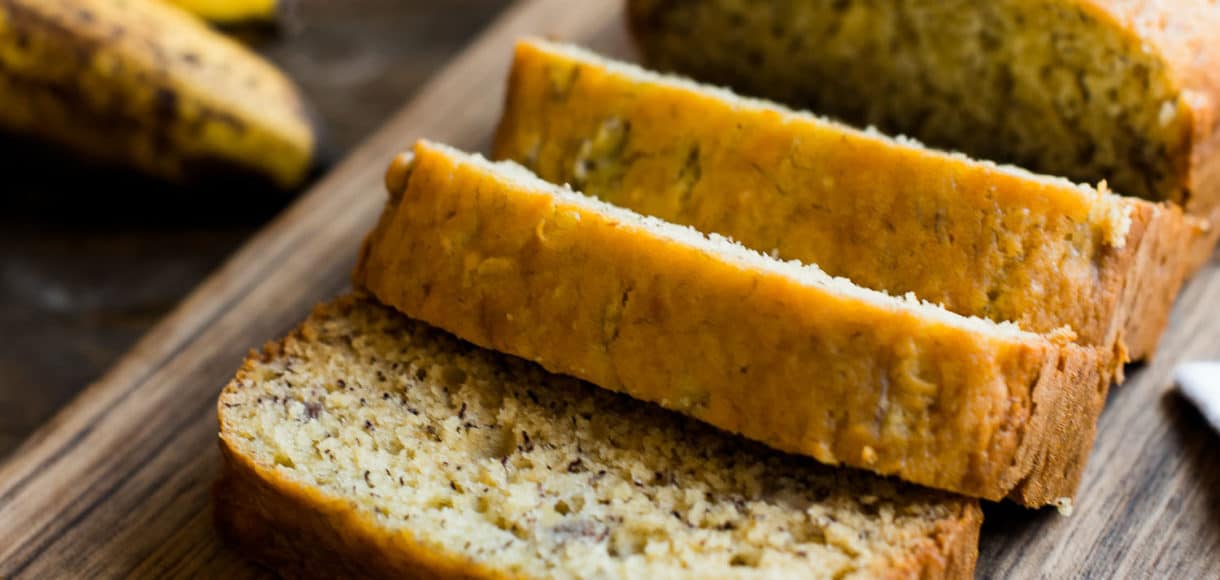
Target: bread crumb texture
483	459
776	351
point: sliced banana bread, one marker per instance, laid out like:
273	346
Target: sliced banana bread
1090	89
776	351
369	445
982	240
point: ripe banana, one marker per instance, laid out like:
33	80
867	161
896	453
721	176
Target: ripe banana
232	11
146	84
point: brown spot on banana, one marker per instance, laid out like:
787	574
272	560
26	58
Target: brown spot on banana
95	77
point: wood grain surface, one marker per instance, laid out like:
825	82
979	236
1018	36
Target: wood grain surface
118	483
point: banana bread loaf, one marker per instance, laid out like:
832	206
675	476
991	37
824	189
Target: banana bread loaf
776	351
1125	91
982	240
369	445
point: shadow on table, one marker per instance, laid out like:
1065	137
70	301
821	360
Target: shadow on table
1009	528
90	258
1197	442
46	187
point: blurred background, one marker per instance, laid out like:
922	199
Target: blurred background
91	257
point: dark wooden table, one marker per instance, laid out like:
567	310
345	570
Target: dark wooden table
118	484
91	259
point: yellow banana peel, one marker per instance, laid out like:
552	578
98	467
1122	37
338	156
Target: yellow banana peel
225	12
148	85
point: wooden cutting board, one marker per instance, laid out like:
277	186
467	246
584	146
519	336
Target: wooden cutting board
118	484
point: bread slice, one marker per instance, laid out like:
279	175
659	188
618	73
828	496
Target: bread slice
369	445
776	351
1089	89
889	214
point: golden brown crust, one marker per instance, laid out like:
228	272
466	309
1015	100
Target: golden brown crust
1169	246
1183	32
1178	34
950	552
301	532
1060	442
958	546
685	154
955	549
396	174
802	368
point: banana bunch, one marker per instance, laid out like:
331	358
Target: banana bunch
227	12
148	85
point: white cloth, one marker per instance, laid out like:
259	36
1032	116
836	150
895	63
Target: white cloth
1199	382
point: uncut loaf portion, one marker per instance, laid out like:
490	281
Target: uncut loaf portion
776	351
367	445
980	239
1121	90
